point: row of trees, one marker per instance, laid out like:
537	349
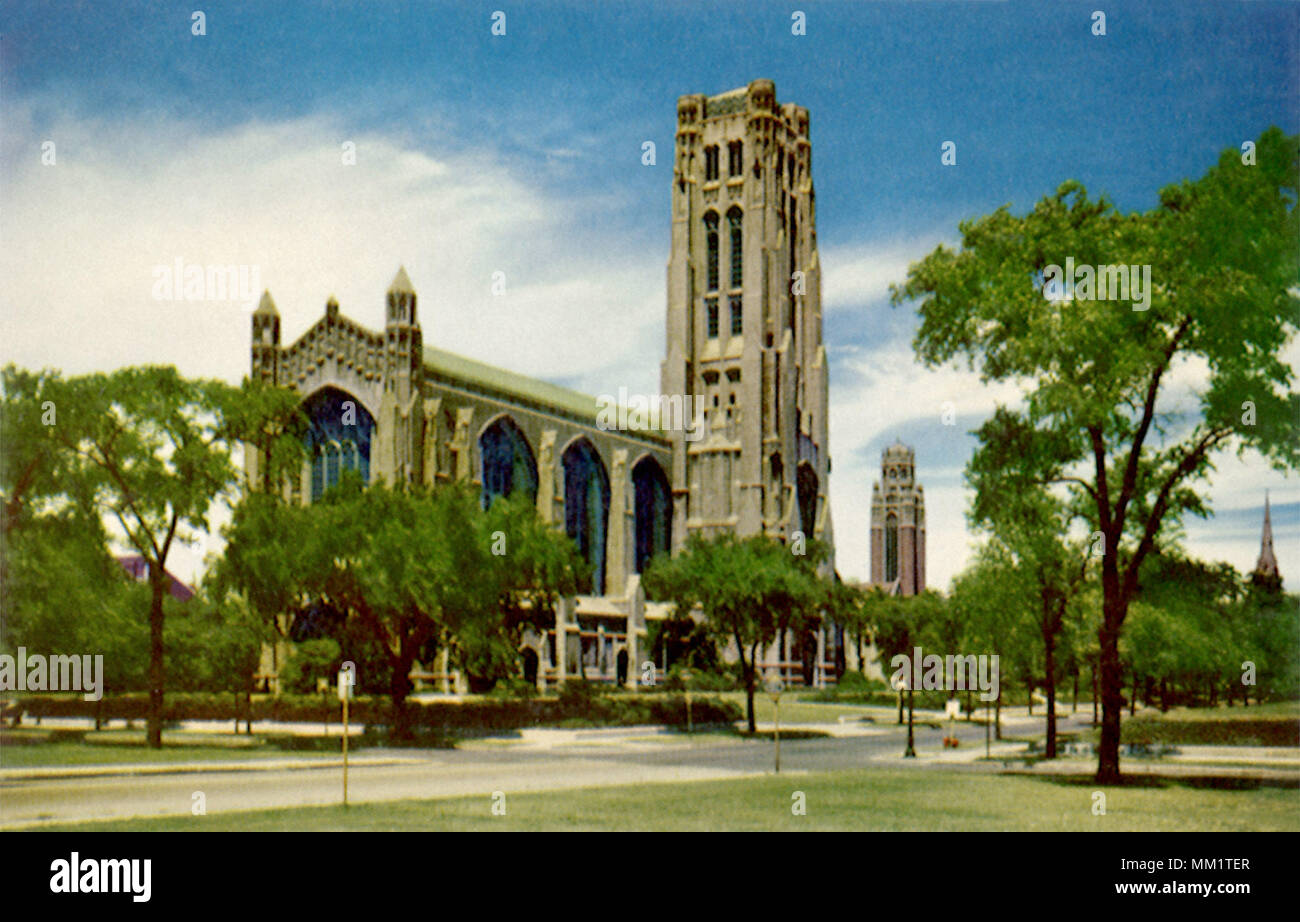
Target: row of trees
1105	418
387	574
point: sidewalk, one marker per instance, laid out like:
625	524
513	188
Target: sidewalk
47	772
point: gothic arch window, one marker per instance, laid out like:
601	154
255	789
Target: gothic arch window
338	439
507	460
891	548
806	485
654	511
711	244
586	507
737	240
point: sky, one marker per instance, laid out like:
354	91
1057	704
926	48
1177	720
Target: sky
521	154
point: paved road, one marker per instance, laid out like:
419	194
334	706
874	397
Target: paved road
477	769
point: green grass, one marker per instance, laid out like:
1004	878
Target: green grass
795	711
33	748
882	800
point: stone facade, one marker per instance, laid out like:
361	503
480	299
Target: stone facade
743	240
744	324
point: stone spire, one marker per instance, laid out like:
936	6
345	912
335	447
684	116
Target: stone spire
1267	565
402	282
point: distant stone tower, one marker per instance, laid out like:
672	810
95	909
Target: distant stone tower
898	524
744	320
1266	571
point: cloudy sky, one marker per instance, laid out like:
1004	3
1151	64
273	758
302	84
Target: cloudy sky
521	153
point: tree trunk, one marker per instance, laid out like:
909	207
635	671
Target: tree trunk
399	688
1133	700
157	670
1112	695
900	707
1029	695
1049	660
1164	696
1074	708
997	715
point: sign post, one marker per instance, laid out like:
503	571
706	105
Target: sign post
346	679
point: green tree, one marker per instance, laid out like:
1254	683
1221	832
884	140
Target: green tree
989	598
152	451
1224	257
749	590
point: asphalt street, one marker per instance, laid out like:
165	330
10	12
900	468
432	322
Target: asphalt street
479	768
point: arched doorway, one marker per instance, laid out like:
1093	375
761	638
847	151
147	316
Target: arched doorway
529	657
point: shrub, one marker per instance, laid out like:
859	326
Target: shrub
310	660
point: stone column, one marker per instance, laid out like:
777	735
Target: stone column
616	530
546	478
635	628
561	641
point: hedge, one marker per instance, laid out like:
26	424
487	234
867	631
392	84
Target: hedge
491	715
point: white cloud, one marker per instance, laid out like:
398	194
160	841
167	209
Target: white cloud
854	275
82	237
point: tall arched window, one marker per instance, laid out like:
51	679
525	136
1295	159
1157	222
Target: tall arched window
507	461
586	507
711	242
737	249
339	439
654	511
806	486
891	548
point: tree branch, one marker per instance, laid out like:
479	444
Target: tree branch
1194	457
1148	414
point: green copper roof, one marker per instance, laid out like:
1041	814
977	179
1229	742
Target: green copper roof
541	395
454	367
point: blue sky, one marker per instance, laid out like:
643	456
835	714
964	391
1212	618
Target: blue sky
522	153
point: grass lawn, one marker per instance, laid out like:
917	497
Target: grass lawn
880	800
29	748
794	711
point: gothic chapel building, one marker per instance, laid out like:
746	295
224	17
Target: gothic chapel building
744	338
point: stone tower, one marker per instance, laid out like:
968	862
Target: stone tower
400	408
744	333
898	524
266	341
